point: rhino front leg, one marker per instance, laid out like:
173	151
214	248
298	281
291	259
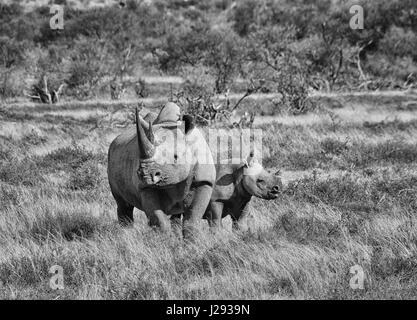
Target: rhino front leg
196	210
215	215
154	212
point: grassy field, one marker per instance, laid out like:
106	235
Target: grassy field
350	199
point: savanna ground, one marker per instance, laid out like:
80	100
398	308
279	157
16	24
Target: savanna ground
350	199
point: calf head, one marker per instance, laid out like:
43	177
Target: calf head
260	182
163	154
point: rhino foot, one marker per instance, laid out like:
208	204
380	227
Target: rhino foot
124	213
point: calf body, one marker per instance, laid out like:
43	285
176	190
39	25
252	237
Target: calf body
235	186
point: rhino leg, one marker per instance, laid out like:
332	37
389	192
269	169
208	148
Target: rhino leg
154	212
158	218
124	212
196	210
240	219
215	212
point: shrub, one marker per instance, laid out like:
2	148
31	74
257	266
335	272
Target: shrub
87	69
11	56
85	177
25	172
33	139
67	158
333	146
244	16
390	151
399	42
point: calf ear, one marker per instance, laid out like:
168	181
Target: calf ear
250	160
189	123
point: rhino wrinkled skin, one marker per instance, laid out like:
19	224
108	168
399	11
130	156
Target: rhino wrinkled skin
153	168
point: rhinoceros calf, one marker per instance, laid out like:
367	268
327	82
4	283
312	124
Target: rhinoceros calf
154	170
235	186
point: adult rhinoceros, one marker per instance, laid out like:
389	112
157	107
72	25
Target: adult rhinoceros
153	167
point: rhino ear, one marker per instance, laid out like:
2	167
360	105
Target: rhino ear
250	160
189	123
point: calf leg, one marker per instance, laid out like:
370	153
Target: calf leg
124	213
240	219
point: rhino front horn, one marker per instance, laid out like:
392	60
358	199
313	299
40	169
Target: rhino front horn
146	148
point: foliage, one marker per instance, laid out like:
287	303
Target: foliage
107	47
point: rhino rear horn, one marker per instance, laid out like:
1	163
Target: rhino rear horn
146	147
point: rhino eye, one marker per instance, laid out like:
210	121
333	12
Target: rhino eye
261	180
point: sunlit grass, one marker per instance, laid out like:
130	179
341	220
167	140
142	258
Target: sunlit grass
349	199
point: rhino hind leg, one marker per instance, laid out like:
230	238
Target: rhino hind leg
124	213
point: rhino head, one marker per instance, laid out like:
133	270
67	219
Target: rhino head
260	182
164	158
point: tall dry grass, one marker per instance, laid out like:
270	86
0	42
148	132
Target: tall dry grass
350	199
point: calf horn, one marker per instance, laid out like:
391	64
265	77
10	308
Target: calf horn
146	148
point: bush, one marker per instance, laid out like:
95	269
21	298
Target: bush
87	69
85	177
244	17
11	57
25	172
224	55
399	42
67	158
